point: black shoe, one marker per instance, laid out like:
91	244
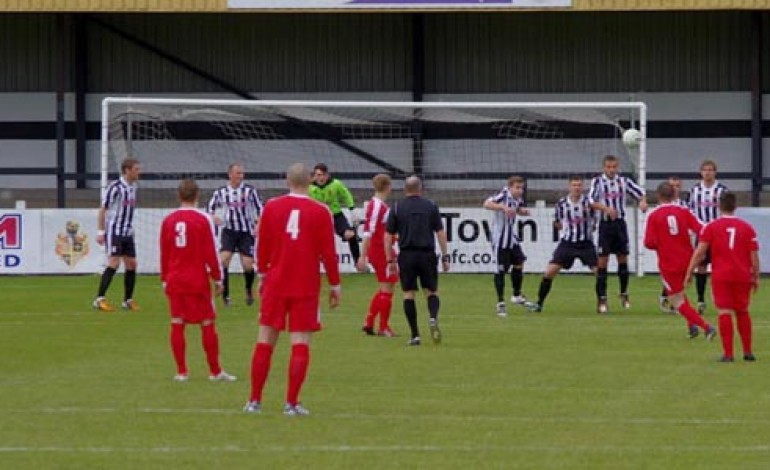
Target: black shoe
693	332
249	299
725	359
368	330
414	341
226	301
749	357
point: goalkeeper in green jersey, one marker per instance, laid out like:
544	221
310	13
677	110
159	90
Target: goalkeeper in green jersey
336	195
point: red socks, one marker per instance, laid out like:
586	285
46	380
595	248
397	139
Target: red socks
298	365
386	303
726	333
381	304
178	347
744	330
211	346
692	316
260	367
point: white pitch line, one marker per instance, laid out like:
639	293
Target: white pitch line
549	449
411	417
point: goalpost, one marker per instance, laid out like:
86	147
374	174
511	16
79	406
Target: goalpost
463	151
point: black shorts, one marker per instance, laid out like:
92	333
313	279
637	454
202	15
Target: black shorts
706	259
566	252
416	264
341	224
233	240
117	245
507	257
613	238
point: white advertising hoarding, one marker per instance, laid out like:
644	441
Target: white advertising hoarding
62	241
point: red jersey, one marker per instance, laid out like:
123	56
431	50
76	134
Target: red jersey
188	252
731	241
295	233
668	233
374	227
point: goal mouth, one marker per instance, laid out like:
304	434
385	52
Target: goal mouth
463	151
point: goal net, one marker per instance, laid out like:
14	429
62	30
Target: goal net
463	151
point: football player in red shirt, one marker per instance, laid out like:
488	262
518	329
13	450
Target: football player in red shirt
668	233
373	252
188	263
734	250
295	232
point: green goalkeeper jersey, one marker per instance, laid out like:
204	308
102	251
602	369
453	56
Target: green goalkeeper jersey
334	194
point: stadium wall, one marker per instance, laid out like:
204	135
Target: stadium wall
692	68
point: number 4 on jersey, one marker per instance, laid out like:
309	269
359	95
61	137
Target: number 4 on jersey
292	225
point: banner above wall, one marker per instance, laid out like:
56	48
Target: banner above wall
396	4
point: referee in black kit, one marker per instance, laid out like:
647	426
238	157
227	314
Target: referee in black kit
415	220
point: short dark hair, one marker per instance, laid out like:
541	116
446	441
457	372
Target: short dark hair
515	179
728	202
575	178
188	190
609	158
665	191
127	164
322	167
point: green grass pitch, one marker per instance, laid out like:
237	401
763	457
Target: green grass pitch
566	388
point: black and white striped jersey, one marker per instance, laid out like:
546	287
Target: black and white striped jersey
119	201
241	206
612	192
704	202
577	219
504	227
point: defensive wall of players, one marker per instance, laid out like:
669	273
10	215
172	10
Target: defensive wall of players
62	241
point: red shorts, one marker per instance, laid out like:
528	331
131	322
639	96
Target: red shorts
673	281
731	295
301	313
191	307
381	270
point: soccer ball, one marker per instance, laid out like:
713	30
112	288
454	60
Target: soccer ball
632	138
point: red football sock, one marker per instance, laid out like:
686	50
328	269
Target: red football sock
744	329
726	333
211	346
374	308
298	365
692	316
386	303
260	367
178	347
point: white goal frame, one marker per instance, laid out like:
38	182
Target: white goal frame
637	108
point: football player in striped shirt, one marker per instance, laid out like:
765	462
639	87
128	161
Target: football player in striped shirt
704	204
115	231
241	206
507	204
373	252
575	220
608	194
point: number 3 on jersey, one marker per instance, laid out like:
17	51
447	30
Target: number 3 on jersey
181	234
292	225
